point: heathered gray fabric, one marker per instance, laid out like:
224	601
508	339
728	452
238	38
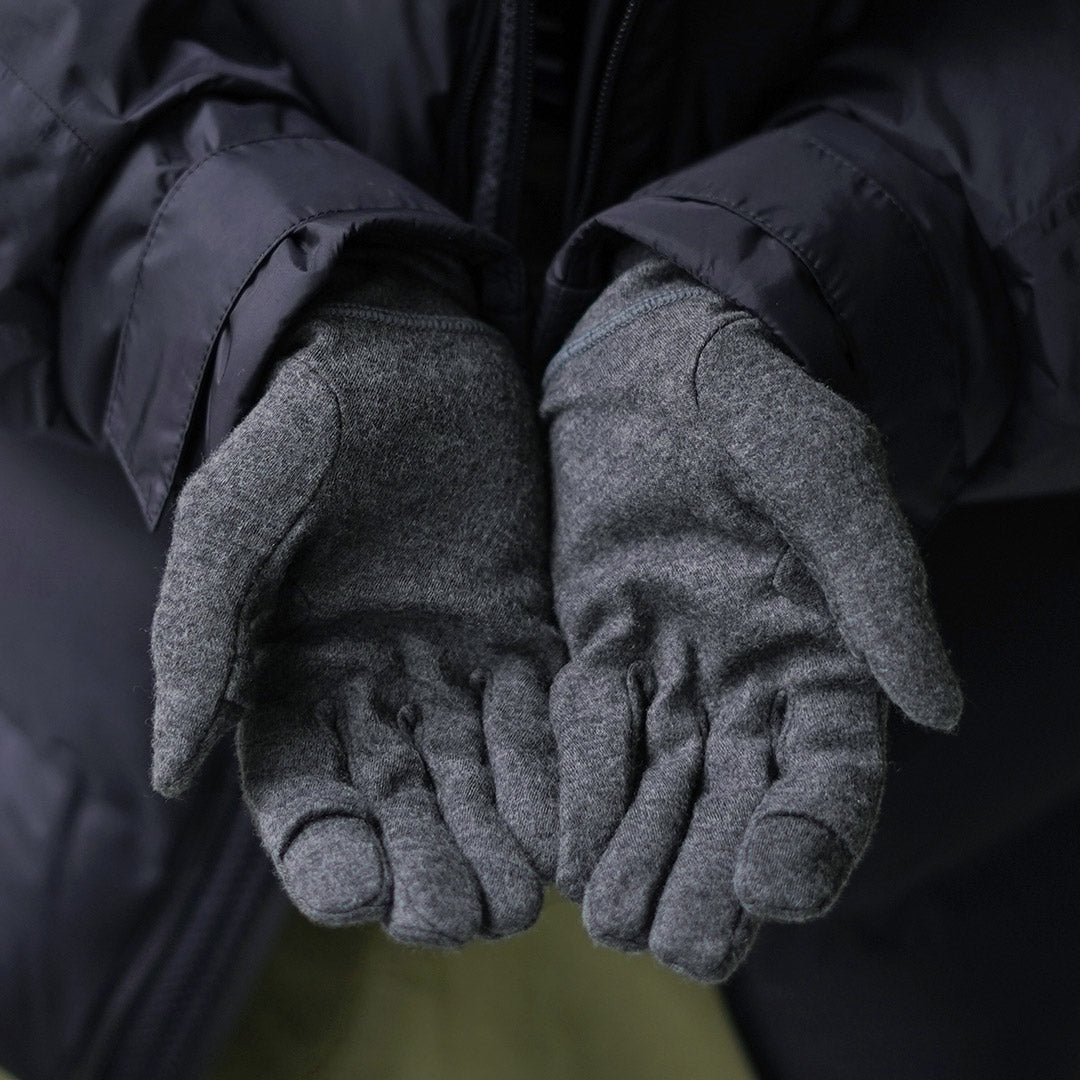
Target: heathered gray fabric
741	597
358	580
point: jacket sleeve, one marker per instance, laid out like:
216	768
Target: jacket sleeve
908	226
170	199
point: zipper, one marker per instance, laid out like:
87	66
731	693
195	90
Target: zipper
459	145
603	110
497	198
510	203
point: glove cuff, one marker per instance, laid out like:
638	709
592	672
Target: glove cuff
397	277
638	275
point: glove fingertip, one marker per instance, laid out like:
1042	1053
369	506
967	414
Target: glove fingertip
937	705
169	777
710	959
179	747
571	883
534	821
791	868
173	769
336	872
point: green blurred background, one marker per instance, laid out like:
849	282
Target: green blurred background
353	1005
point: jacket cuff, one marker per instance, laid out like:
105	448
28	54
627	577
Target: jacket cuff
872	293
239	242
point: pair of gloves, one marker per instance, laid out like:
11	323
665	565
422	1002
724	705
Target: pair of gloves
365	578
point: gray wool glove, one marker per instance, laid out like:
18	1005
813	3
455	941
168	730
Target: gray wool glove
741	598
358	581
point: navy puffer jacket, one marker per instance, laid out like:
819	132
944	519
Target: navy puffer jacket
892	187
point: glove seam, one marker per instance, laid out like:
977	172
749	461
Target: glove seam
737	317
241	623
322	813
775	511
819	579
454	323
627	315
797	815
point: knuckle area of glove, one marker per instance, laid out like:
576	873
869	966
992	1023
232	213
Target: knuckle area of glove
390	758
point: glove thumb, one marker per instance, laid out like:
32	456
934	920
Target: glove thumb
236	520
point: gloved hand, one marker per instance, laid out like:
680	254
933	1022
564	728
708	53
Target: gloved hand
358	580
741	598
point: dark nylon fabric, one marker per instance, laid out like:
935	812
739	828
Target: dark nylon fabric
164	222
902	240
129	926
892	188
952	954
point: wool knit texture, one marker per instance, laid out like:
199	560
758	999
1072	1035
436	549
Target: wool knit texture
741	598
358	581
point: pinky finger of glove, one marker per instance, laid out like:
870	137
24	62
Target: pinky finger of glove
814	822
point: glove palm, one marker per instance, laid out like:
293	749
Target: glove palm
357	580
741	598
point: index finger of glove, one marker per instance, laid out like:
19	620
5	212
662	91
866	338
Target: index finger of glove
625	886
437	897
700	929
448	733
234	521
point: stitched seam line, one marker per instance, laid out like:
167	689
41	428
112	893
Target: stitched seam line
909	221
746	488
817	269
801	815
937	275
255	578
175	456
51	109
115	392
738	317
616	322
119	376
1041	209
455	323
777	515
321	813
